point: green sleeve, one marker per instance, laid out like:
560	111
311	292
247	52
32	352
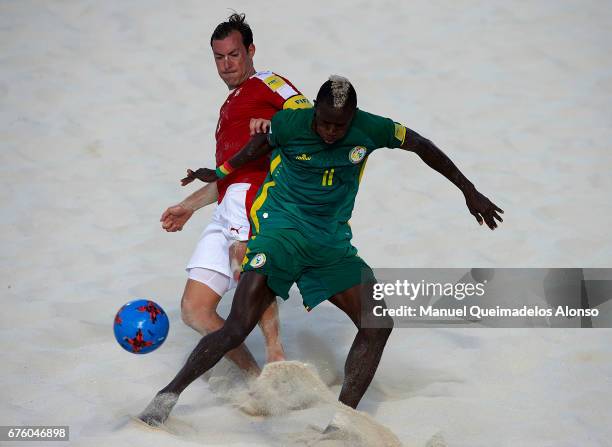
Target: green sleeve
277	134
384	132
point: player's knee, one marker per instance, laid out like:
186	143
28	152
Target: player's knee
194	314
187	315
388	324
379	322
378	335
234	333
188	310
387	327
386	332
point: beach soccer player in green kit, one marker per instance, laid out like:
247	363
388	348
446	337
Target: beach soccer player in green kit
301	234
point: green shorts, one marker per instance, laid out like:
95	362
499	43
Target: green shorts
285	256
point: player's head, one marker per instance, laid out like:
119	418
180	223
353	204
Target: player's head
335	108
233	49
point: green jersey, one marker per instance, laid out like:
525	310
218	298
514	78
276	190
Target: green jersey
312	185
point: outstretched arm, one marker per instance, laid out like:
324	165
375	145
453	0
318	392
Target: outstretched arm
175	217
257	146
480	206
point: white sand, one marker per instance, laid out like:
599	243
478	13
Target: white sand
104	104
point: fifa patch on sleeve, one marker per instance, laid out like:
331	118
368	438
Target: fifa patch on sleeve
297	102
277	84
400	132
274	82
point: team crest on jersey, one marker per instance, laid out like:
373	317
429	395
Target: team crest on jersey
258	260
357	154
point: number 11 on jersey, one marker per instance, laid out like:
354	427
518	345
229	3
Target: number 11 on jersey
328	177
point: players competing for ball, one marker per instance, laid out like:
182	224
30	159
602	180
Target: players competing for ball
301	232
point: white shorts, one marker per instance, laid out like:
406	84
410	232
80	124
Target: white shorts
218	282
229	224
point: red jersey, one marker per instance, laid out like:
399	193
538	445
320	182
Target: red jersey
260	96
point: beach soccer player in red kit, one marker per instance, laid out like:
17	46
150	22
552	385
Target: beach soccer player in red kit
214	267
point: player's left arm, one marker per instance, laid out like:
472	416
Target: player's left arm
257	146
478	204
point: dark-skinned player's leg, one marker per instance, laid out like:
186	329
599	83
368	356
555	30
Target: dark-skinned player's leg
366	351
252	298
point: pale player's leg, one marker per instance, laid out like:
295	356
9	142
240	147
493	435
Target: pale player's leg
270	327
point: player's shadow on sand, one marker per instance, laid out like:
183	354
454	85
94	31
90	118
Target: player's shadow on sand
414	382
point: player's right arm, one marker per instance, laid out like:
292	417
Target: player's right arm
258	146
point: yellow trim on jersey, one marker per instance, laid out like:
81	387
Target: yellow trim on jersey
245	259
400	132
297	102
263	195
261	198
274	163
274	82
361	171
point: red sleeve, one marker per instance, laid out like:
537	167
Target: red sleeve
281	93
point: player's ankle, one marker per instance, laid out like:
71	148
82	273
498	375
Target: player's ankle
276	355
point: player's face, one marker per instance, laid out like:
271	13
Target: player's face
234	62
332	124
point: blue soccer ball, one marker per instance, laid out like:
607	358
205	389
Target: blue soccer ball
141	326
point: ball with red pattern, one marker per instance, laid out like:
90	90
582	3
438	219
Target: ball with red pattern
141	326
